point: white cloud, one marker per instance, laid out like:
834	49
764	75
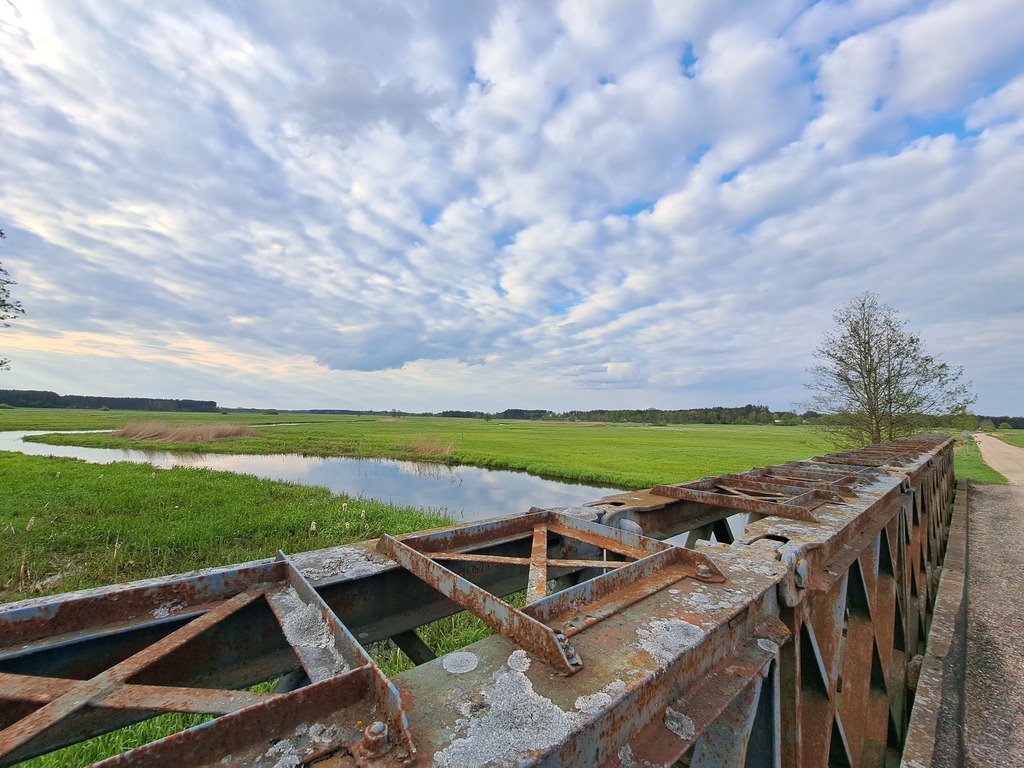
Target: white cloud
581	204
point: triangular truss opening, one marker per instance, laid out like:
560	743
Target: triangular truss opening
342	690
545	624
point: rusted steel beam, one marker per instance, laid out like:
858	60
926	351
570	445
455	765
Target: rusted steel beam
786	509
795	645
537	589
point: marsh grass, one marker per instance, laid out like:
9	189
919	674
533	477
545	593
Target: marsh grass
182	433
424	447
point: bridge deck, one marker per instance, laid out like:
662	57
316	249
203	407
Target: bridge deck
801	643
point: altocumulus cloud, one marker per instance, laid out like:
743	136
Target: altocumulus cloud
430	205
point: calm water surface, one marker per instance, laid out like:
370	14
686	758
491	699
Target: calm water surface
463	493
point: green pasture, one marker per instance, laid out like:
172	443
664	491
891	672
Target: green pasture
1011	436
623	455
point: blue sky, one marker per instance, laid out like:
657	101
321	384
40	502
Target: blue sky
489	205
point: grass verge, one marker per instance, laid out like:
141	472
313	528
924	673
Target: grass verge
969	465
1012	436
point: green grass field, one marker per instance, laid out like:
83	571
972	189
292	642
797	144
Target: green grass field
69	525
628	456
969	465
1011	436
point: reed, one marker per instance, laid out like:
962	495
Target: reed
182	433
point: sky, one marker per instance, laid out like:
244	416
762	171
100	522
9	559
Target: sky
414	205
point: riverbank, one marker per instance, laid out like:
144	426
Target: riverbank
66	524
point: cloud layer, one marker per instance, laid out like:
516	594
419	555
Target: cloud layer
425	206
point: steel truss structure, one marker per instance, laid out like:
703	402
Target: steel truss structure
795	643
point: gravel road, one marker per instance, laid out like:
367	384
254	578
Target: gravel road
994	706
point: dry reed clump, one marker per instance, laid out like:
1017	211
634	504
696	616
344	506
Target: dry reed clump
431	448
183	433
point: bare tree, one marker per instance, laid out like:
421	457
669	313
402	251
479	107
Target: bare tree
8	309
874	382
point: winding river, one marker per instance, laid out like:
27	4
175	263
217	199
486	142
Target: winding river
460	492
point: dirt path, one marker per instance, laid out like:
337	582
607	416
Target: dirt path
1002	457
994	708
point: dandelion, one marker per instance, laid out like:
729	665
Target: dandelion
362	514
31	524
344	506
312	528
347	526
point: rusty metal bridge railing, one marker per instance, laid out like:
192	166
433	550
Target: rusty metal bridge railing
791	637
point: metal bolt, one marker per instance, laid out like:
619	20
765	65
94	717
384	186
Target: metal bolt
801	572
703	571
374	736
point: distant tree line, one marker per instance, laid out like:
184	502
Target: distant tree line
31	398
747	414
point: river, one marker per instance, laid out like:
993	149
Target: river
460	492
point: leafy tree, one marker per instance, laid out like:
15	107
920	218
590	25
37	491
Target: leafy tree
1005	425
8	309
874	382
988	425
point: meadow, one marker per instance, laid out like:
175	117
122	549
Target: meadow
70	525
621	455
1011	436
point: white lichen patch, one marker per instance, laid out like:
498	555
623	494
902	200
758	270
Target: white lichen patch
166	609
519	661
626	759
459	662
349	562
680	724
665	639
768	645
595	703
288	753
721	598
516	723
280	755
306	629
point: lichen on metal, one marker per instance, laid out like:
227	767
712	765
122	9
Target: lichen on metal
796	644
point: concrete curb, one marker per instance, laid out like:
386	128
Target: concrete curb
935	735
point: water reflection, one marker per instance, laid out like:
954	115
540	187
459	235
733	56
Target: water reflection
463	493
